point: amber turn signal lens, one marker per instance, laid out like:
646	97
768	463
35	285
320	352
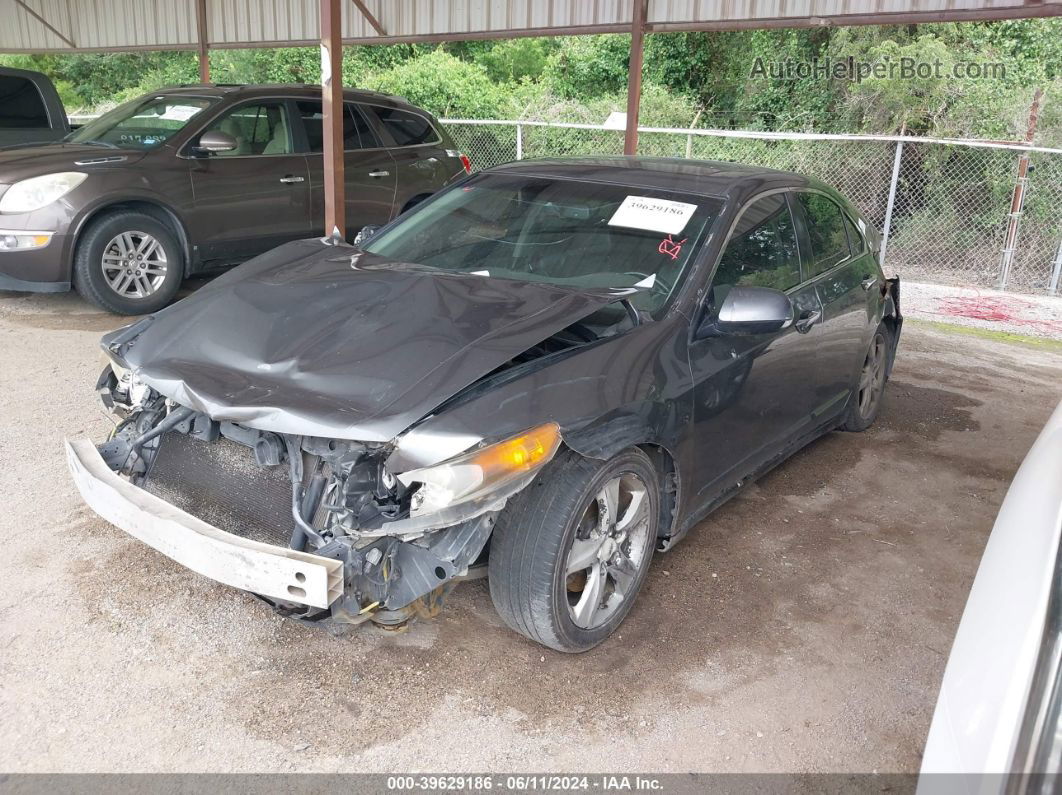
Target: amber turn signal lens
520	453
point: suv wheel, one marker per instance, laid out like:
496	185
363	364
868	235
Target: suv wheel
570	553
128	263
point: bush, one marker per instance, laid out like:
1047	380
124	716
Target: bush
515	60
443	85
659	107
586	67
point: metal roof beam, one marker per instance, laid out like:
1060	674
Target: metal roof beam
365	12
245	23
21	4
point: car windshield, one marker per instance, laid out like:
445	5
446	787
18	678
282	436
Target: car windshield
559	231
142	123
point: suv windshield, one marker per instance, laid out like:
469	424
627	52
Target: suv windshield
563	232
142	123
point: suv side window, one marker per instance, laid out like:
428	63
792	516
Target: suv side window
356	131
762	249
260	129
826	231
408	129
21	104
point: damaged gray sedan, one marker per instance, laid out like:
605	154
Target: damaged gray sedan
544	373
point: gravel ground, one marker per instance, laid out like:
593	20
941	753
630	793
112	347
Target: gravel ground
802	627
1031	315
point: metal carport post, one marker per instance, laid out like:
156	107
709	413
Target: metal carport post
639	11
332	98
332	123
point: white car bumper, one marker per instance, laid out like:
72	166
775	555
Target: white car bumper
272	571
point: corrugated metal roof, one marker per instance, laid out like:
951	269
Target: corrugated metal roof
50	25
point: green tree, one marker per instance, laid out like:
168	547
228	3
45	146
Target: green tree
584	67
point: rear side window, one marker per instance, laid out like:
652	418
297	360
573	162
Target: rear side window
356	131
829	241
408	129
856	241
21	104
762	250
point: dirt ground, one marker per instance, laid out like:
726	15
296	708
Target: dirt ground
802	627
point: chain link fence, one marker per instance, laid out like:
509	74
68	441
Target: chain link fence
950	205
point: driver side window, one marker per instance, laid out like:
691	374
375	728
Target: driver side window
258	130
762	249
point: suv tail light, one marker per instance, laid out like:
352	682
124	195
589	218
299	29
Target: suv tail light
465	162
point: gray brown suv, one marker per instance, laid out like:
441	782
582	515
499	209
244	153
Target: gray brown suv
197	178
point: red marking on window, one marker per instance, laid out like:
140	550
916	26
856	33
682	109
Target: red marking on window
671	248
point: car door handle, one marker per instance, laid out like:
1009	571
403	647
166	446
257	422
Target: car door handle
379	174
290	180
869	282
807	319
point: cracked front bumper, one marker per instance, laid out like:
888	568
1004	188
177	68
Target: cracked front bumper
272	571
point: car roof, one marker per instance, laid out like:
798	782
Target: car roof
725	180
308	90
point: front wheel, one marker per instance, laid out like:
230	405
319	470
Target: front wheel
128	263
570	553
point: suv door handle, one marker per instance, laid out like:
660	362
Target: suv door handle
807	319
869	282
379	173
289	179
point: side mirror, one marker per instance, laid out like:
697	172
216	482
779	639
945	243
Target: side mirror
216	141
750	310
365	233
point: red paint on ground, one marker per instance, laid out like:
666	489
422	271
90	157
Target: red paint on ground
1002	310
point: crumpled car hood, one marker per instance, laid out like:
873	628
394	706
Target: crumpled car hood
316	340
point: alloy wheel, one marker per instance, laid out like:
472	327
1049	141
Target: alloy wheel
872	377
134	264
608	551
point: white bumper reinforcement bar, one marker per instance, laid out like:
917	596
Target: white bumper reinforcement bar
250	565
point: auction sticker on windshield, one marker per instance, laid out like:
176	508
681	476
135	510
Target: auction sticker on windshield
652	215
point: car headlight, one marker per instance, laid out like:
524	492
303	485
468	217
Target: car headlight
36	192
119	387
15	240
483	472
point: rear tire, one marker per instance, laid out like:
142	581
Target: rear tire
570	552
128	263
867	397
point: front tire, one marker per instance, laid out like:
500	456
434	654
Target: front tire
128	263
570	552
